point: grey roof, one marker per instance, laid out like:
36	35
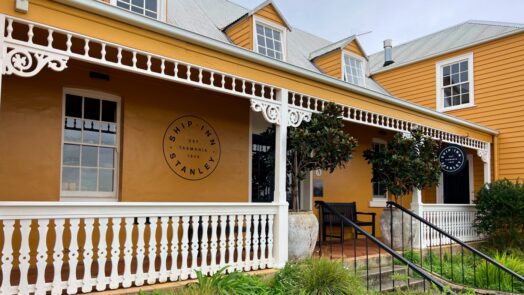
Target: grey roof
453	38
331	47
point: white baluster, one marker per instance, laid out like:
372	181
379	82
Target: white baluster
152	275
163	67
270	240
163	249
7	256
73	256
101	280
50	38
134	59
115	253
119	56
103	51
184	273
41	258
256	261
223	82
214	244
240	243
176	69
263	235
30	34
247	260
175	272
231	243
203	245
9	28
58	256
140	251
212	79
263	91
252	88
86	47
194	245
23	259
88	255
223	244
188	73
200	76
128	251
233	83
69	43
149	63
243	86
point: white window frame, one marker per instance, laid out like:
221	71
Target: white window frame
378	201
364	66
440	97
274	26
161	13
85	195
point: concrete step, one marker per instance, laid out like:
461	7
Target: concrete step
389	278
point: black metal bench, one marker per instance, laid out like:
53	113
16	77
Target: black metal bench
348	210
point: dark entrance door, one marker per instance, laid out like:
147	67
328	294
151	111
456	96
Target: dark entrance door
262	168
456	186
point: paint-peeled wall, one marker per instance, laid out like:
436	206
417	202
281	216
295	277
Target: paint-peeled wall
31	136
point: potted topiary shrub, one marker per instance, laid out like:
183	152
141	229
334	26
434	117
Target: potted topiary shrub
320	144
406	163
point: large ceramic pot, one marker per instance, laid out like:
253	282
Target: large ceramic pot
303	234
404	233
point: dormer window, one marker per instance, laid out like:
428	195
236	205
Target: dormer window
149	8
354	69
269	40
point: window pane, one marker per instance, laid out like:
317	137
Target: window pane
108	133
122	4
71	156
261	41
89	179
106	157
70	179
261	50
73	106
447	92
91	109
151	14
137	10
138	2
73	129
269	44
268	32
447	102
151	5
89	156
276	35
446	80
278	55
109	111
278	46
446	71
464	66
455	78
455	68
91	131
105	180
464	77
456	100
465	98
260	29
464	87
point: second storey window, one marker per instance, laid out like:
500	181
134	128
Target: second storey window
455	83
269	41
353	69
90	143
148	8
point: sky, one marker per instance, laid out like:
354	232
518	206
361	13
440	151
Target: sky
399	20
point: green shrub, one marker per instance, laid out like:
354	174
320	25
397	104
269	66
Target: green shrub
317	277
500	206
489	272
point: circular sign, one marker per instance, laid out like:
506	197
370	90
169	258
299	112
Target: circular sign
452	159
191	148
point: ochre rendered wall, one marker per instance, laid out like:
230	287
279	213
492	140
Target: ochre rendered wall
30	136
75	20
499	88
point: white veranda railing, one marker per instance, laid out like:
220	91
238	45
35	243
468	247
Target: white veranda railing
82	247
456	220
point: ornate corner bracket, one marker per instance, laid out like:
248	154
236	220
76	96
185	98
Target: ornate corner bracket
270	111
27	62
484	154
296	117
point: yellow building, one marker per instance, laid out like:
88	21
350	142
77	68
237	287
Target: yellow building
116	113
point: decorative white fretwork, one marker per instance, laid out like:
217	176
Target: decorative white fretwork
26	62
270	111
296	117
484	154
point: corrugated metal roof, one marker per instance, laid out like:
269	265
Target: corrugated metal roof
330	47
453	38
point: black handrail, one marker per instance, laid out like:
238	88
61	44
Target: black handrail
345	221
461	243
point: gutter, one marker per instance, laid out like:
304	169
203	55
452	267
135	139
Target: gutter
109	11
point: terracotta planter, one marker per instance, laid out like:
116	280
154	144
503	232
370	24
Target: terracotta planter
303	234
